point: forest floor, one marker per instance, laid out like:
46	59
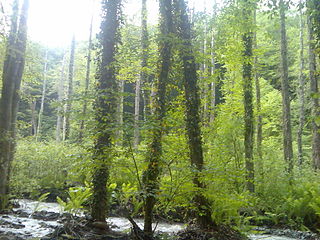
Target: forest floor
45	221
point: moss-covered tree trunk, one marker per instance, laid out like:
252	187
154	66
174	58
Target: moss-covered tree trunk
247	39
258	102
314	46
151	175
105	107
314	41
286	111
203	208
301	90
11	81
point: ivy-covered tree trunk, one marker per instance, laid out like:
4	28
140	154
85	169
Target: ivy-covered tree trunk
70	90
314	43
11	82
258	102
151	175
105	107
248	94
87	82
203	208
286	112
301	90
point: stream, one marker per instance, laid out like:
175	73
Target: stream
32	219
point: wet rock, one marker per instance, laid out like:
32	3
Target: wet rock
21	213
288	233
223	233
9	236
46	216
9	224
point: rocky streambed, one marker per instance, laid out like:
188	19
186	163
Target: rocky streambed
35	220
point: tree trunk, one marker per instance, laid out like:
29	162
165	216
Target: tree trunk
60	101
248	95
119	133
286	118
204	69
12	76
70	90
151	175
137	113
203	208
105	107
33	104
213	83
314	88
144	60
143	75
258	100
84	109
44	86
301	91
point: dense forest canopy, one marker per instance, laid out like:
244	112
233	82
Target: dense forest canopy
204	110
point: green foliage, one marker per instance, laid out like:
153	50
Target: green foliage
43	165
42	198
78	196
51	165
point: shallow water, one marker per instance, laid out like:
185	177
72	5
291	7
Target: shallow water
28	227
269	237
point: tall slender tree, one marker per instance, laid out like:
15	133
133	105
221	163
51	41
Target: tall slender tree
70	89
151	175
87	82
247	39
258	100
301	90
43	95
144	60
286	111
314	43
105	106
60	90
190	78
143	75
11	82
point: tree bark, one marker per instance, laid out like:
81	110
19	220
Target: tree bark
190	78
105	107
301	91
86	90
151	175
70	90
313	23
248	95
286	118
12	76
